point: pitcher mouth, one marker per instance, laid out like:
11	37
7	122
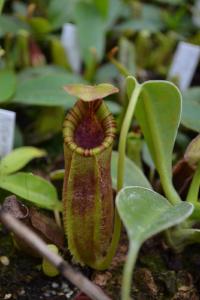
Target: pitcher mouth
89	128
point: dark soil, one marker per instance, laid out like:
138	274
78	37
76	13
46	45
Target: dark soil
23	279
160	274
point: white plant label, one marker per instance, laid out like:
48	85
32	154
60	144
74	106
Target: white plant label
69	40
184	63
7	128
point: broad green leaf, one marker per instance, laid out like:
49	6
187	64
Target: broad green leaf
89	93
7	84
158	113
91	31
133	175
30	73
191	109
11	24
102	6
150	19
18	158
46	90
144	214
60	12
32	188
192	153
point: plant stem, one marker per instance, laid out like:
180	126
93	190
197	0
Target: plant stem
120	176
192	195
128	270
123	135
169	189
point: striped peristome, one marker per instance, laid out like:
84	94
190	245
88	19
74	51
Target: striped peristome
89	131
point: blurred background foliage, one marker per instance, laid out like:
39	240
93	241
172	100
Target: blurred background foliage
114	37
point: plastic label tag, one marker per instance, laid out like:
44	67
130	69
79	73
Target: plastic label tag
69	40
7	128
184	63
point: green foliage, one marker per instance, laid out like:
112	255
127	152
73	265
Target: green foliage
49	91
144	214
18	158
92	42
26	185
148	18
32	188
7	84
1	5
191	109
132	176
158	113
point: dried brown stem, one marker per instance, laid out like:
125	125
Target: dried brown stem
66	270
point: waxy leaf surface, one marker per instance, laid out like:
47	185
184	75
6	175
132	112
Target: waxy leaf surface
146	213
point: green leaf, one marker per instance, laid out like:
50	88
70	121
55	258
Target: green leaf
11	24
30	73
102	6
1	5
91	30
46	90
144	214
158	113
60	12
133	175
32	188
7	84
18	158
90	93
191	109
149	18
